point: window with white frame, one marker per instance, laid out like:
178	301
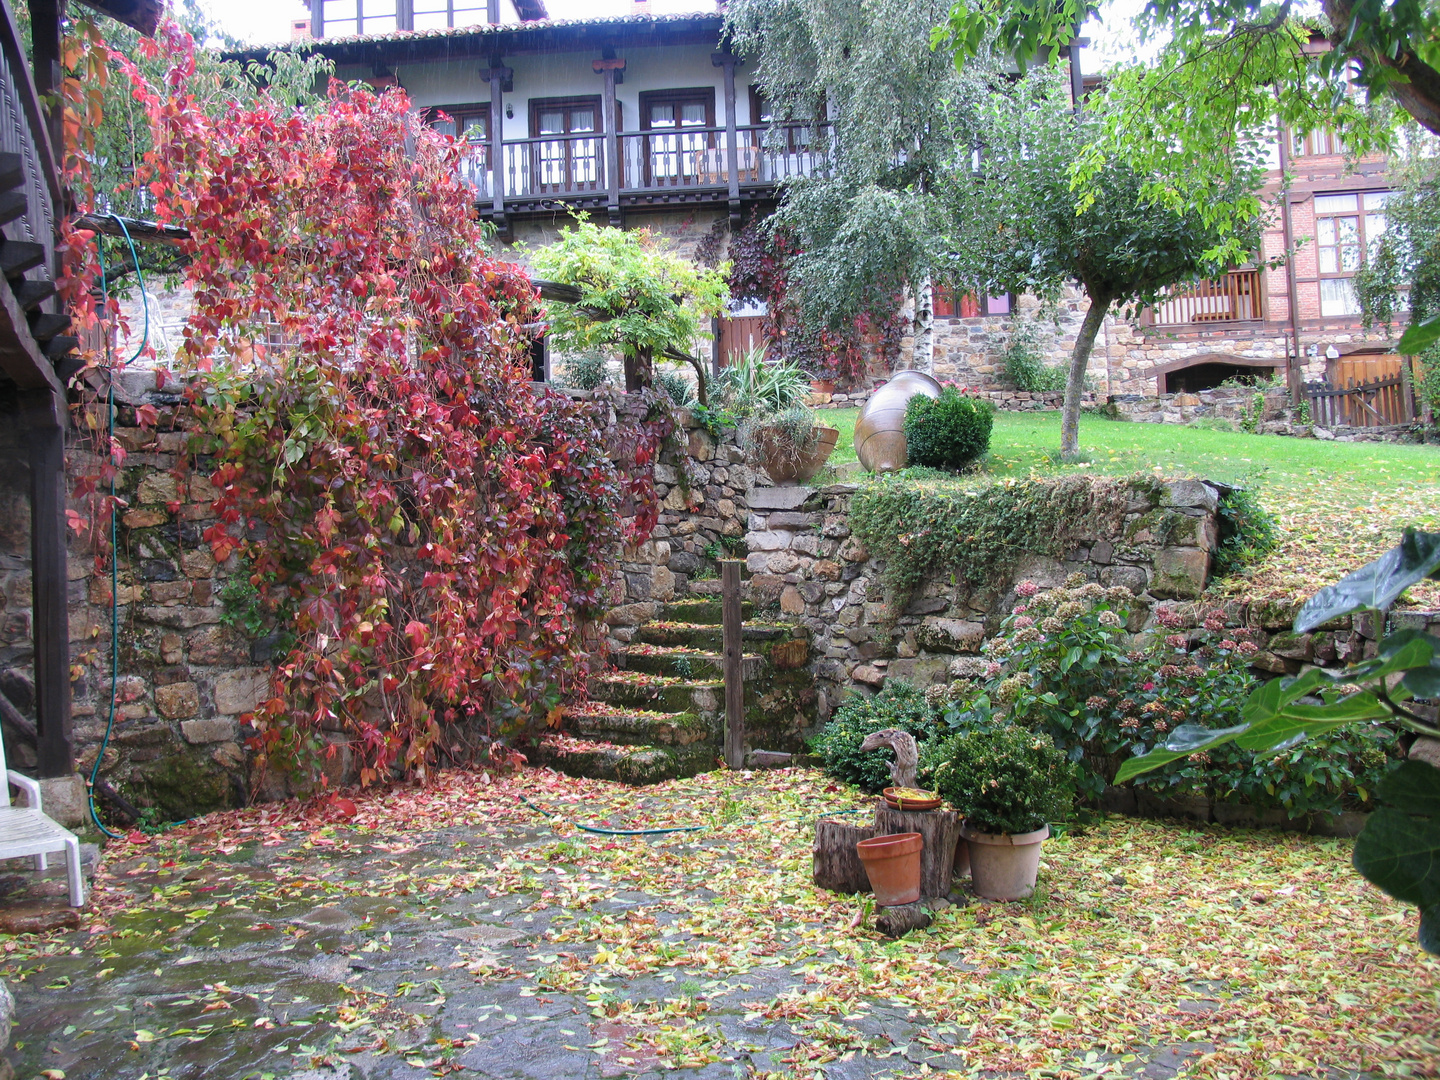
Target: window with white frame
346	17
1346	228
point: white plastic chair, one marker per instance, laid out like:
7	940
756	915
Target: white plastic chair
26	831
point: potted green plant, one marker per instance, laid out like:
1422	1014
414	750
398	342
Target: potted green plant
791	446
768	398
1009	783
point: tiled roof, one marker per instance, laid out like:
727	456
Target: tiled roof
488	30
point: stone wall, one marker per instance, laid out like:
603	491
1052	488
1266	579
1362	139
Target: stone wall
1127	356
702	483
804	560
184	676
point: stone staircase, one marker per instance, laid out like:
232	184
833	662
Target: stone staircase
660	712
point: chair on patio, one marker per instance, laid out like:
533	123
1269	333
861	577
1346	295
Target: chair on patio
26	831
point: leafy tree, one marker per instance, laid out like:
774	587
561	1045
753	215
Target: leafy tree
1230	70
104	113
870	226
635	294
1406	261
1015	227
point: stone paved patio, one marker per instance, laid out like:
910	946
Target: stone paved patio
454	931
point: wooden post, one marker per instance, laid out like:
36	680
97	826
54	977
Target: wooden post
50	618
613	68
317	18
734	656
940	828
45	35
501	80
732	151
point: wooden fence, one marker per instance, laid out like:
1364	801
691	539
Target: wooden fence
1372	403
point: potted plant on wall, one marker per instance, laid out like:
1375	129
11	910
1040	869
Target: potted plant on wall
791	446
768	398
1009	783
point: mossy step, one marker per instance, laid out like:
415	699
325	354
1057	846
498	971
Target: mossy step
628	764
685	663
629	725
706	611
709	636
668	692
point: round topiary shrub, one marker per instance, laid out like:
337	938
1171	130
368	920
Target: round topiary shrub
948	432
1003	779
899	705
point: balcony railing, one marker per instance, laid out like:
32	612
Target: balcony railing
693	158
1234	297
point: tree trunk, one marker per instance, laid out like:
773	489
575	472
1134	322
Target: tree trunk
923	327
1075	384
639	370
940	828
837	865
1418	93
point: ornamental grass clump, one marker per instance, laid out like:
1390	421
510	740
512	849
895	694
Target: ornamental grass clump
948	432
899	705
1003	779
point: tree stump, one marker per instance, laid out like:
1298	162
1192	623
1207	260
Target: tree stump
837	863
940	828
898	921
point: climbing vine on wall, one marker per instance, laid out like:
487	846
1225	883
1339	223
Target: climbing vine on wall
761	255
977	532
432	529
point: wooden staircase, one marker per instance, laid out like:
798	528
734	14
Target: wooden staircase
659	713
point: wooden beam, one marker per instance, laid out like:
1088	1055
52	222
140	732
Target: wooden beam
50	620
142	15
733	637
20	355
611	67
139	229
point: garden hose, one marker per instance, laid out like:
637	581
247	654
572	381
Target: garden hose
114	541
599	831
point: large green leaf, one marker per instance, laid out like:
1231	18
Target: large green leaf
1375	585
1185	740
1414	786
1420	336
1399	848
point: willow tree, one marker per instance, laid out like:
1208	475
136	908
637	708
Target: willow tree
1014	226
897	120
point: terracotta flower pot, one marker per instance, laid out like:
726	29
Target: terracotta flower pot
787	467
1004	867
823	386
893	865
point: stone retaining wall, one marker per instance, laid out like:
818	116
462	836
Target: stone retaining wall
803	559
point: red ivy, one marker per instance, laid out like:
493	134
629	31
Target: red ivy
429	531
760	257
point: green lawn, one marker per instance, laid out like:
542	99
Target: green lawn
1340	504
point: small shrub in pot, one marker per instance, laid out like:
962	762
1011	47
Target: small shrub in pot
1009	783
1003	779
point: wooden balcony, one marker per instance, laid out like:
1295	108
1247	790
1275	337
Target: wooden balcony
640	168
1235	297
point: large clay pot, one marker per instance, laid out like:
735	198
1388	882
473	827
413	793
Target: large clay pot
787	467
893	865
880	431
1004	867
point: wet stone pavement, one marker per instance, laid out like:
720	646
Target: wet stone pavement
480	940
